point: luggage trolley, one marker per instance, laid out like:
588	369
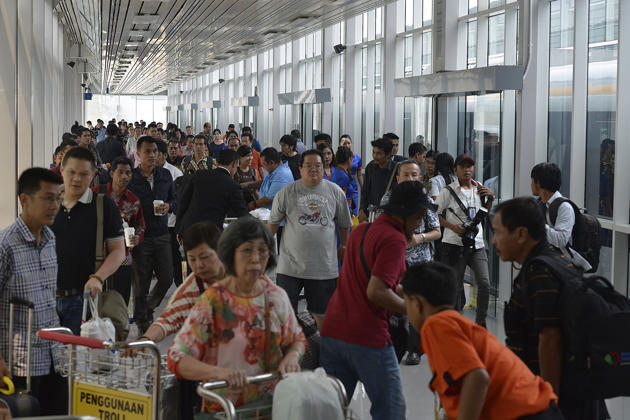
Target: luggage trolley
260	412
103	384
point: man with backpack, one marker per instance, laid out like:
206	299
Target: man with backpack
538	328
567	227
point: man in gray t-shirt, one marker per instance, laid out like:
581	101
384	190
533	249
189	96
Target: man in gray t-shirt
313	210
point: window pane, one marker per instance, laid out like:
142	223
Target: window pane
377	90
426	52
472	44
472	6
427	12
496	38
379	22
560	88
495	3
408	56
408	14
601	109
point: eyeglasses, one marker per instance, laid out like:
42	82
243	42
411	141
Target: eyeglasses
249	252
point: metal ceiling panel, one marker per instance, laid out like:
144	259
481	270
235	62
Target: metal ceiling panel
172	40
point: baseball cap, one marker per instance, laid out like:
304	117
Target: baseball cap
464	158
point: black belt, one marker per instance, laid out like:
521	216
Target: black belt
67	293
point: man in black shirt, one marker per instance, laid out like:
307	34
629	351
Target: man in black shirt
288	144
75	232
112	147
150	183
533	316
377	176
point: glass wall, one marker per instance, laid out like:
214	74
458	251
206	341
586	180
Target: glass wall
128	107
602	106
561	25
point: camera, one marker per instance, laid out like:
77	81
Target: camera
471	228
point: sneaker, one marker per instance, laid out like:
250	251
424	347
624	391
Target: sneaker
413	358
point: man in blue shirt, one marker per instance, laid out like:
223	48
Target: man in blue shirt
150	182
28	270
100	130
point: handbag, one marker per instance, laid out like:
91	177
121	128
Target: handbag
111	303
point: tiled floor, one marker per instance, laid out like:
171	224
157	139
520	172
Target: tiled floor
418	398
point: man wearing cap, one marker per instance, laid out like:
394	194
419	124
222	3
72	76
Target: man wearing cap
458	205
355	344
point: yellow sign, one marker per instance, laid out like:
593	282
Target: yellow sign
109	404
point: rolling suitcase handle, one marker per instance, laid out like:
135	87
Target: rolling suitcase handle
30	306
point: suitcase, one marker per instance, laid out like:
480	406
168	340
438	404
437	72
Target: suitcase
21	403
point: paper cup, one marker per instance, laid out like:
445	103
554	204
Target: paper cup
156	205
129	234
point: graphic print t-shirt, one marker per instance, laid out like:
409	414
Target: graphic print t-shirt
309	241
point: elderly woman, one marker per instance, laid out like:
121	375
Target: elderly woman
229	334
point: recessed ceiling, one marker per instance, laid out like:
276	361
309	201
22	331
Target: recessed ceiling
154	43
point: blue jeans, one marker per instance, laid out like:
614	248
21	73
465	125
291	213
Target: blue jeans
377	368
70	311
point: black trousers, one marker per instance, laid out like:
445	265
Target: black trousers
122	280
177	258
551	413
51	390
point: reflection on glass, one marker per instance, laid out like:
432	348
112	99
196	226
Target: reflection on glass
602	106
561	25
417	122
408	55
496	39
472	6
426	52
408	14
495	3
472	44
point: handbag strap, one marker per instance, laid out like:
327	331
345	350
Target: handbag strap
267	315
458	201
391	178
366	267
100	255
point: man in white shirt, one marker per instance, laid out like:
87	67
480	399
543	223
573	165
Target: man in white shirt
546	181
177	255
458	205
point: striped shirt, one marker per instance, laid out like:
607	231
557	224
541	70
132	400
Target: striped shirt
187	294
28	270
534	305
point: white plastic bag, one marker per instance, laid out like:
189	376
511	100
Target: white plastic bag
261	213
307	396
101	329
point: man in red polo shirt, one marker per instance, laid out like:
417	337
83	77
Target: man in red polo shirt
355	344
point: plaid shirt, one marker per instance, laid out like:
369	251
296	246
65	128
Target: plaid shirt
29	271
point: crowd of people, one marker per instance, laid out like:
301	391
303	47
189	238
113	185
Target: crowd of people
380	254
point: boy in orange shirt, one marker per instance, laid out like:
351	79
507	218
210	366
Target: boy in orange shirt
475	376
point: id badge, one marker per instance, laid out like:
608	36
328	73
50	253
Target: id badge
472	212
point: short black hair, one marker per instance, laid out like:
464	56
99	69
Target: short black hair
216	130
30	181
322	137
201	136
432	154
415	148
120	160
523	212
81	130
190	136
201	233
152	125
391	136
227	156
88	122
548	175
99	120
81	154
174	140
324	146
384	144
310	153
244	150
271	155
145	139
246	129
204	125
289	140
296	133
229	133
162	147
434	281
343	154
345	136
248	135
112	130
231	125
240	231
445	166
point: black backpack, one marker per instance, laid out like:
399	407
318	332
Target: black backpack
586	234
596	331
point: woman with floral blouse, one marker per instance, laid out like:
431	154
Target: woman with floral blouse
224	335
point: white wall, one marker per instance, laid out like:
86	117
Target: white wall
40	96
